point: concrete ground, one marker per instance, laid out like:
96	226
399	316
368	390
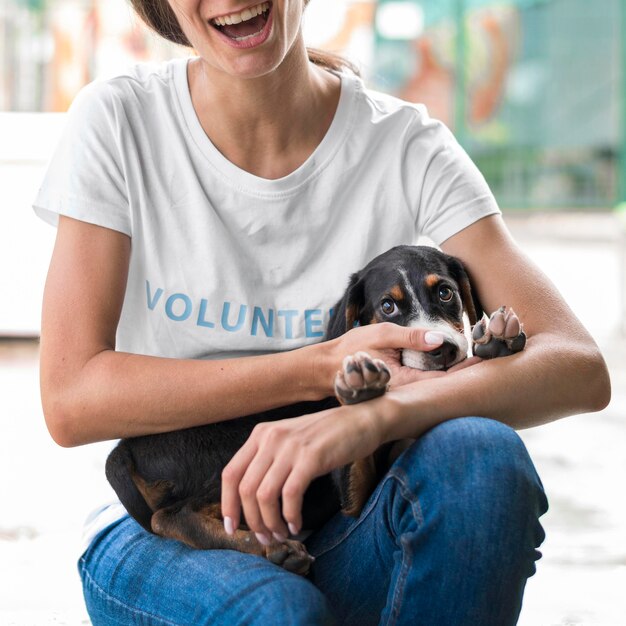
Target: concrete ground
46	490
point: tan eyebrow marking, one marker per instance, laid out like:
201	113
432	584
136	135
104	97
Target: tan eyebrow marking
432	280
396	292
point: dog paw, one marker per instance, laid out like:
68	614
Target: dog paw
500	335
290	555
361	378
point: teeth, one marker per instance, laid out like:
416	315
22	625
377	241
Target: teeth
244	16
248	36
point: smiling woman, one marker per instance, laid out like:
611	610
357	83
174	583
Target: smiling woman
210	212
162	19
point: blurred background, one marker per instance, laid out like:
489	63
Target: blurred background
535	90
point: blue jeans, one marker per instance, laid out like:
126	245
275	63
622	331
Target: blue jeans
449	537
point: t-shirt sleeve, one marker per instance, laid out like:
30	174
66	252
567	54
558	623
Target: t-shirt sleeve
85	177
451	194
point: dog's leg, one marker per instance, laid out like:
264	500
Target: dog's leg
361	378
202	527
358	480
355	483
500	335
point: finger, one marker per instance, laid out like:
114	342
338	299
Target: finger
268	498
231	479
248	488
394	336
293	494
392	357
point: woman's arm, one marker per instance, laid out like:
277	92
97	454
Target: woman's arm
560	372
92	393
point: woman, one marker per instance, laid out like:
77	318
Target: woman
211	212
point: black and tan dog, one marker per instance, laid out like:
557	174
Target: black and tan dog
171	482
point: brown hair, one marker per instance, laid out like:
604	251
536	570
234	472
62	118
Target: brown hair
158	15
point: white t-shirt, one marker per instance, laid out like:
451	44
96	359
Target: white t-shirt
224	263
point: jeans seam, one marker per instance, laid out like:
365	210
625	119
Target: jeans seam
398	592
358	522
130	609
407	556
405	492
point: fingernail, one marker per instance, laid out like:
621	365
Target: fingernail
228	526
293	528
433	338
263	539
279	537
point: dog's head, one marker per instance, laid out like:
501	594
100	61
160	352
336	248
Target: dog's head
412	286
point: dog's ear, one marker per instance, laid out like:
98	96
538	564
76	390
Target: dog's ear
471	303
346	312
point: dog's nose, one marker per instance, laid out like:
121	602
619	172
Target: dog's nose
445	354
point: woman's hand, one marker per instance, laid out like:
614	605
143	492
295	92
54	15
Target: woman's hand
280	459
386	341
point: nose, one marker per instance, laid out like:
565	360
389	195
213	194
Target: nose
445	354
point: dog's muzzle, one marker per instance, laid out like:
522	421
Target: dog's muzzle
452	351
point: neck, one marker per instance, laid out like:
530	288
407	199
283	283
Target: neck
267	125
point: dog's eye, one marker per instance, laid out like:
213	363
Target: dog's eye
445	293
388	306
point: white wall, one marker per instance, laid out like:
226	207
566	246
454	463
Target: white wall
27	141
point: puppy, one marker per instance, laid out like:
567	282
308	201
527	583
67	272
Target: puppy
171	482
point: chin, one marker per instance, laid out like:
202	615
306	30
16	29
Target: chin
242	64
254	67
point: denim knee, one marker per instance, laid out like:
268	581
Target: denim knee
278	598
133	577
471	483
479	462
289	599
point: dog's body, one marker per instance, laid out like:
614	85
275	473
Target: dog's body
171	482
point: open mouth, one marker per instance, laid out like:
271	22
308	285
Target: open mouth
244	25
